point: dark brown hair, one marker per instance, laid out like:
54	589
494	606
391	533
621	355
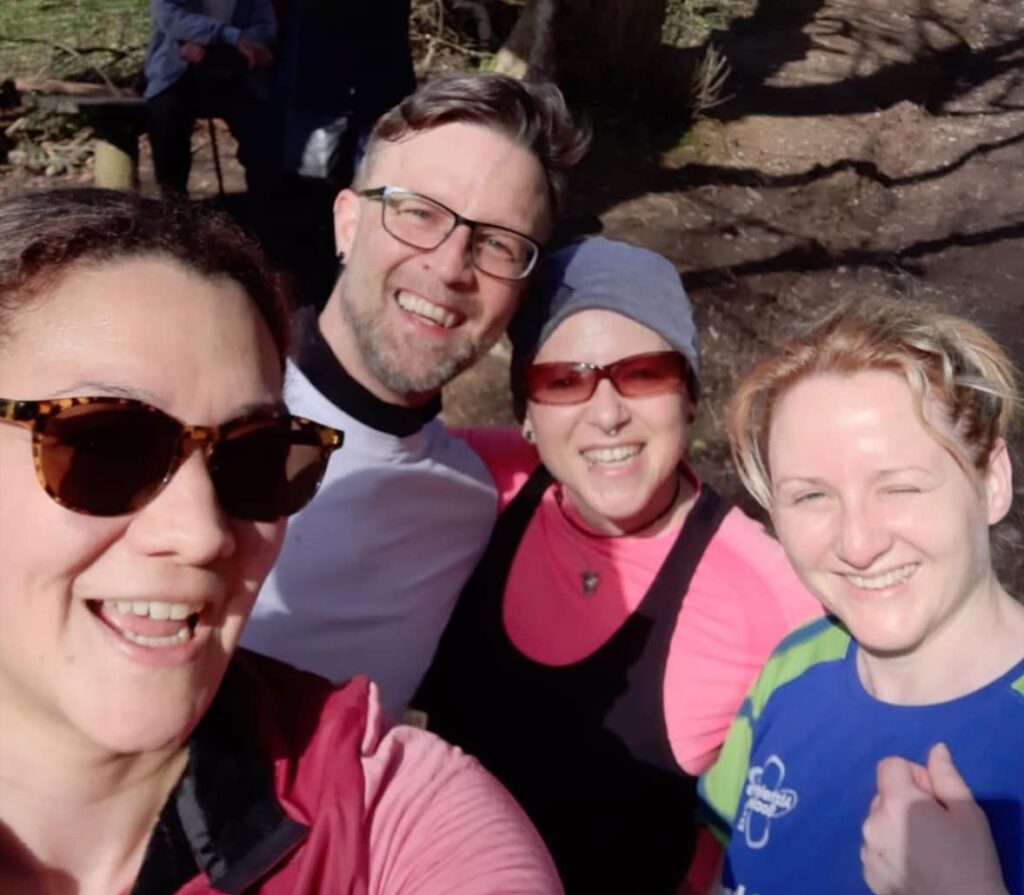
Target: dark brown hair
45	235
534	115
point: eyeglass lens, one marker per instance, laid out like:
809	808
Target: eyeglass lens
632	377
425	224
106	460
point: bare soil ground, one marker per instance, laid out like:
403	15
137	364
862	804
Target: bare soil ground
871	146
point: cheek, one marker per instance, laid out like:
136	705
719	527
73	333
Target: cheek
668	417
44	546
553	427
805	537
500	301
257	545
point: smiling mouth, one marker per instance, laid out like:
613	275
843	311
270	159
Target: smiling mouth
884	580
611	456
157	624
426	310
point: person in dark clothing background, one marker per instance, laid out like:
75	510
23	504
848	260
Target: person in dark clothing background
340	66
209	58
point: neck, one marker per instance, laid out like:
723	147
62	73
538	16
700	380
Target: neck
74	818
339	337
969	650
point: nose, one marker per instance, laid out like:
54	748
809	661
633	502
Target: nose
185	520
607	409
453	259
862	536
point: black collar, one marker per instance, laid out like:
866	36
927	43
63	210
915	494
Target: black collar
322	368
223	818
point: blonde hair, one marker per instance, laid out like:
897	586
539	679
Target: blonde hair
942	357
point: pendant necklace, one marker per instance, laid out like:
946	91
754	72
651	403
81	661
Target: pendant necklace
591	578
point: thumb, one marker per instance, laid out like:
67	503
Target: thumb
895	777
947	784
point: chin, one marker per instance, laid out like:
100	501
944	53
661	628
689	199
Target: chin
129	724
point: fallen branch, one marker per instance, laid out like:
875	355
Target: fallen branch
71	51
67	88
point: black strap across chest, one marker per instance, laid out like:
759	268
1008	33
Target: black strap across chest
584	748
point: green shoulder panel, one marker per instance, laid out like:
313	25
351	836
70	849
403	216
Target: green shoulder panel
822	640
722	785
1018	685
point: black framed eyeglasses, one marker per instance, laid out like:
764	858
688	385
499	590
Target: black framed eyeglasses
424	223
107	456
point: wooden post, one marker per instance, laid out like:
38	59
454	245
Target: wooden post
114	168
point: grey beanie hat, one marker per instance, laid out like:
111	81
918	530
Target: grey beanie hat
614	276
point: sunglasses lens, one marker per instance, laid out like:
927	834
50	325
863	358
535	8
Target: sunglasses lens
268	469
559	383
106	459
649	374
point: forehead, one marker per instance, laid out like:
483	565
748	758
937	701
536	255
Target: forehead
145	325
843	424
478	171
599	336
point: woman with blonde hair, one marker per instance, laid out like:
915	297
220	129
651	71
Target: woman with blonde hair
882	748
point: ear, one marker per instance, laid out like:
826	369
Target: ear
346	218
998	482
528	433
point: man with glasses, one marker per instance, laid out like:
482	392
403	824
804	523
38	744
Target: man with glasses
438	235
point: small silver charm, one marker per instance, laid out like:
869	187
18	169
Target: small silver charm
588	582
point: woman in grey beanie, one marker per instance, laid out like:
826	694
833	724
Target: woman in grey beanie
622	608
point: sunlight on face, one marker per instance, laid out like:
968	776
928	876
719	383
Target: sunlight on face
411	318
617	456
197	349
878	518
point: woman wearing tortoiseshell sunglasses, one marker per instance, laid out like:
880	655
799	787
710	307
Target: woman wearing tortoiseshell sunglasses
147	465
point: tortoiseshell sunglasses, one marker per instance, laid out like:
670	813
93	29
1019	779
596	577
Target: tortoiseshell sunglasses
106	456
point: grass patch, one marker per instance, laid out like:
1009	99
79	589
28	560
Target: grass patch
689	23
73	39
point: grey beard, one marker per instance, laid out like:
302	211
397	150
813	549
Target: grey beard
393	364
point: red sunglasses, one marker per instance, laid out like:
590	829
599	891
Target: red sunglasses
566	382
106	456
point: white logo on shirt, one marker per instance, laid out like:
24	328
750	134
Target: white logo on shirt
766	800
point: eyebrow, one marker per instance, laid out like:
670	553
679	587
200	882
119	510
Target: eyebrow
881	474
93	387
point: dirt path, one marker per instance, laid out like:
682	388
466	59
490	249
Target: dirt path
872	147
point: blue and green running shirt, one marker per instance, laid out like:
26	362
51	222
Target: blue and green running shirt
795	778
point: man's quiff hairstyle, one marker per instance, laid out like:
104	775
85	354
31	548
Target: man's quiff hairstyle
534	115
943	358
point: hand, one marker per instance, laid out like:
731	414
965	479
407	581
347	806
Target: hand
925	834
256	54
192	53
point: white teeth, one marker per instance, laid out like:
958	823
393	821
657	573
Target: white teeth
160	611
178	611
887	579
182	635
423	308
155	609
611	454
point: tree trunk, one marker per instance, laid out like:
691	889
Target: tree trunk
592	48
529	51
